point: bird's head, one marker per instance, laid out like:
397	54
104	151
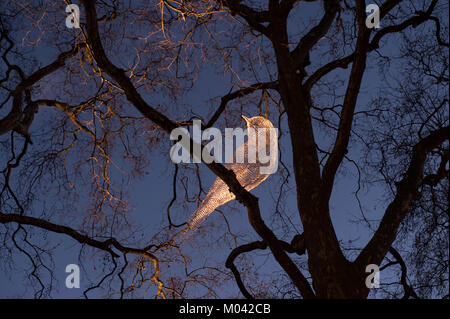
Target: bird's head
257	121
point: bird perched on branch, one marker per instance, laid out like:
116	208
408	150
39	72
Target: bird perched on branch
250	173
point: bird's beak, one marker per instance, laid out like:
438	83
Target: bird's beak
245	118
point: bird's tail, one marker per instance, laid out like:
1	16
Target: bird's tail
212	200
200	214
198	217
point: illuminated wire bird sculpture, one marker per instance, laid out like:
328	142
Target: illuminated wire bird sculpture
250	173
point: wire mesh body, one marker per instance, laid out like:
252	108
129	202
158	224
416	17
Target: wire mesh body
247	173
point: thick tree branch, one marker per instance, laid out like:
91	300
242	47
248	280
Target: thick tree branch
253	18
301	52
82	239
297	246
234	254
287	5
12	121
